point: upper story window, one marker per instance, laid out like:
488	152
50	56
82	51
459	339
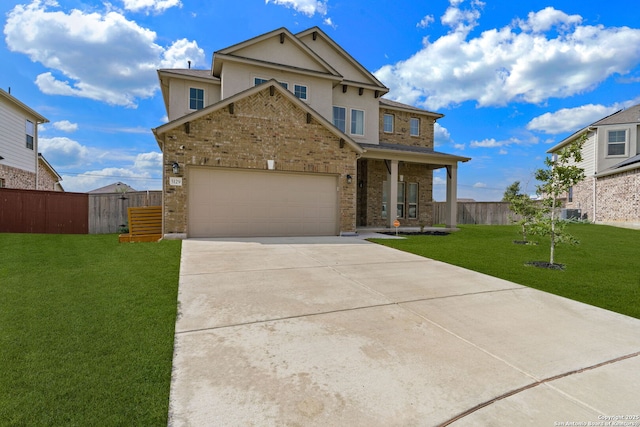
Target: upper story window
357	122
196	98
284	85
300	91
616	142
340	118
258	81
388	123
414	127
30	131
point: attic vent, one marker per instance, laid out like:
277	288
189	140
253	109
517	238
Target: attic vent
315	35
281	38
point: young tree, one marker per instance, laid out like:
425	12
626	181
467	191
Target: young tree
522	205
560	174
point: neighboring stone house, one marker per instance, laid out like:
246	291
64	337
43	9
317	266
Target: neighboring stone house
21	166
610	194
287	134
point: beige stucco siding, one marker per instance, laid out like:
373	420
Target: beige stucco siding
262	127
287	53
606	161
238	77
351	99
179	95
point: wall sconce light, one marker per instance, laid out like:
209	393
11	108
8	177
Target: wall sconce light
349	179
176	168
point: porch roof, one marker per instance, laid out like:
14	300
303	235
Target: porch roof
408	153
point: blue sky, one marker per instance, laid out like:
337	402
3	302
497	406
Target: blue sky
511	77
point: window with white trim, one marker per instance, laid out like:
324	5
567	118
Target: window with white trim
400	201
387	123
196	98
30	132
259	80
414	126
300	91
357	122
616	142
2	183
340	118
284	85
412	200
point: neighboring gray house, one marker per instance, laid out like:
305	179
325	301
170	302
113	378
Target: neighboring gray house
287	134
610	194
21	166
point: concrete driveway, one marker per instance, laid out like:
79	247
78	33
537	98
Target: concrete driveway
340	331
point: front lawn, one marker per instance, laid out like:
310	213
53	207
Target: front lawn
86	329
603	270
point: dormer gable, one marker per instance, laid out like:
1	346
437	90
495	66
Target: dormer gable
276	49
352	71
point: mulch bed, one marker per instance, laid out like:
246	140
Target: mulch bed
544	264
416	233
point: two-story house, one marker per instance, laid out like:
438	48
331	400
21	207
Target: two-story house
610	194
21	166
287	134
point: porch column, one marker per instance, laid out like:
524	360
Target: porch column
392	180
452	196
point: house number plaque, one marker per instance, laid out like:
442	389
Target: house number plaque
175	181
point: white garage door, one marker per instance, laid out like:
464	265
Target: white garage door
236	203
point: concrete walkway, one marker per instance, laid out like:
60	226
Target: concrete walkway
338	331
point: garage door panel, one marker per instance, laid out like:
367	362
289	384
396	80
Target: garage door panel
229	203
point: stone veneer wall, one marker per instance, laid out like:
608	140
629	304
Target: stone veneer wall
17	178
372	177
401	128
46	179
583	198
618	198
262	127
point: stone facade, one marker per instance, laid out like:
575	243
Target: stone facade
371	176
618	198
17	178
255	129
401	127
47	180
582	198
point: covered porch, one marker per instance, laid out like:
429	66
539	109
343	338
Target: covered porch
395	182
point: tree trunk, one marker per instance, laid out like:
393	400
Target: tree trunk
553	230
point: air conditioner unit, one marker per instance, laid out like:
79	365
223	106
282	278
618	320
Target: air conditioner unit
571	214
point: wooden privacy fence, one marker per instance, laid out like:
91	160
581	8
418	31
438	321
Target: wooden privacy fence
108	211
486	213
52	212
145	224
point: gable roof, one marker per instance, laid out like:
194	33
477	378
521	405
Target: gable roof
629	115
316	32
387	103
238	51
12	99
160	130
116	187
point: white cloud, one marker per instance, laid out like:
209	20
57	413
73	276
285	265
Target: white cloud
493	143
479	185
426	21
519	62
459	146
329	22
65	126
152	5
503	152
570	119
149	161
574	119
104	57
63	152
307	7
441	135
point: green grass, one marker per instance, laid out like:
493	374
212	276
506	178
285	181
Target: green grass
86	330
603	270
